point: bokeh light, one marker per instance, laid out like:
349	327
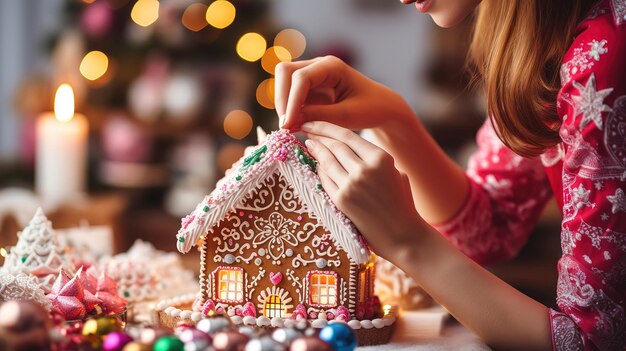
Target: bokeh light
228	155
94	65
251	46
265	93
220	14
145	12
273	56
194	17
292	40
237	124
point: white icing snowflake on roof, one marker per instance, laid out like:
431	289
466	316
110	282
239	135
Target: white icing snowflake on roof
590	102
618	200
281	152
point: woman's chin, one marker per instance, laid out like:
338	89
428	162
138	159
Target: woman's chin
444	21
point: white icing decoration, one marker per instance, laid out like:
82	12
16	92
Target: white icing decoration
249	320
289	252
263	321
367	324
320	263
185	314
378	323
277	322
258	261
229	259
354	324
196	316
237	319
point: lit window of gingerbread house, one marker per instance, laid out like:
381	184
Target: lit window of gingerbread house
269	235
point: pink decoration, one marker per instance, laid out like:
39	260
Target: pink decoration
107	292
249	310
343	314
67	297
208	306
330	316
299	312
187	220
360	312
238	312
219	310
313	315
276	277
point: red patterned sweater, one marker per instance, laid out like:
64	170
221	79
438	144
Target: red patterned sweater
587	174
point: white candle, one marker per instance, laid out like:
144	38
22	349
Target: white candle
61	151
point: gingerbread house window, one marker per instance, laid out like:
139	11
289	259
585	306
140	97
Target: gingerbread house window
323	289
229	285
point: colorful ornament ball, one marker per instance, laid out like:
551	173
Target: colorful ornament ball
340	336
116	341
169	343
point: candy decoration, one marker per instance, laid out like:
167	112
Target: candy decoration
249	309
168	343
264	344
310	343
67	297
276	277
116	341
230	341
213	325
209	305
24	326
340	336
285	335
136	346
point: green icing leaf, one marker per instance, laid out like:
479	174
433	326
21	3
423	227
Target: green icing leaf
181	239
306	159
205	208
23	259
254	157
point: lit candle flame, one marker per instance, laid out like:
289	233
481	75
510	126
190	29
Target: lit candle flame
387	309
64	103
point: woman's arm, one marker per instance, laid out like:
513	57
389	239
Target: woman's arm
327	89
363	182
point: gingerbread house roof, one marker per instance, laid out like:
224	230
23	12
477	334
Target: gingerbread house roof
281	152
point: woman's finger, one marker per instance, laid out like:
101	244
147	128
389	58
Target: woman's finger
327	162
363	148
329	186
282	82
325	73
342	152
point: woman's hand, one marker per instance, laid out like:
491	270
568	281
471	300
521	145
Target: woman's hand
327	89
363	182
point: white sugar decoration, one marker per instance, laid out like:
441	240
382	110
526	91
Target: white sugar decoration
38	252
22	287
281	153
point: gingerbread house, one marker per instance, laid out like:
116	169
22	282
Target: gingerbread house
274	245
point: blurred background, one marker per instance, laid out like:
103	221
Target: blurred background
170	92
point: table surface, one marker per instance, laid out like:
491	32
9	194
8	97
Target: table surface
453	337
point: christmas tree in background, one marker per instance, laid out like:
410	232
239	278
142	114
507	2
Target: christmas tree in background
38	252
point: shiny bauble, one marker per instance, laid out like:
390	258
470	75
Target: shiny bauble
285	335
168	343
340	336
197	345
137	346
230	341
188	334
100	326
247	330
310	343
149	336
24	325
116	341
214	324
264	343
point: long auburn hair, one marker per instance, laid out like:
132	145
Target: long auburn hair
517	47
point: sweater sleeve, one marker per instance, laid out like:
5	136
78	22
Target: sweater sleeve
507	195
591	287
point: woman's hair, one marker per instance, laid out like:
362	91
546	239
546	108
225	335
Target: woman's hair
517	49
